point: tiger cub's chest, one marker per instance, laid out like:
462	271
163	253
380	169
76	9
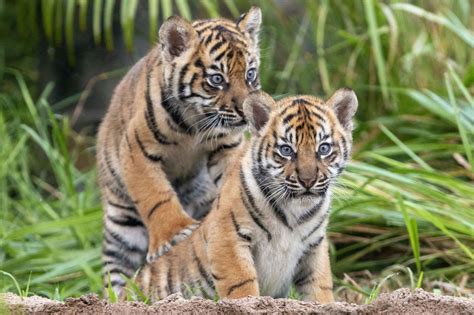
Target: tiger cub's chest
276	262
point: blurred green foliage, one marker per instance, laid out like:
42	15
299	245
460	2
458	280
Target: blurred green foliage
404	206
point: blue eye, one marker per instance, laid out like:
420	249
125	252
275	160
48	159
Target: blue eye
251	75
286	150
324	149
216	80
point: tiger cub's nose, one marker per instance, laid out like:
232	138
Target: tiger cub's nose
307	182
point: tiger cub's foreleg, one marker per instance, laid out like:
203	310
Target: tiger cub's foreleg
157	202
313	279
232	265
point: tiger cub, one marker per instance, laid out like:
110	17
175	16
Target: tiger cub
171	126
266	230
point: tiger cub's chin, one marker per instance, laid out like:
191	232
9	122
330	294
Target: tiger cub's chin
267	228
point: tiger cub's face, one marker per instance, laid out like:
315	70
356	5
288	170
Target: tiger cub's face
303	146
211	66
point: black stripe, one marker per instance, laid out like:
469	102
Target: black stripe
174	114
238	285
181	84
223	147
310	213
288	118
117	192
216	47
254	217
309	248
151	157
217	179
114	283
216	277
169	280
194	94
122	242
315	243
124	259
260	174
316	227
202	271
198	64
344	144
151	119
126	221
208	39
116	205
112	171
243	236
157	205
116	269
219	57
248	194
303	278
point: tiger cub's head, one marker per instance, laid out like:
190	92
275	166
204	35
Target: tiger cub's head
301	145
211	66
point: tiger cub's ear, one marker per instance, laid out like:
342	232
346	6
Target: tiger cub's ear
250	23
344	103
257	107
177	36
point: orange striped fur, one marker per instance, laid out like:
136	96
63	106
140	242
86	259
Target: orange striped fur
171	126
267	228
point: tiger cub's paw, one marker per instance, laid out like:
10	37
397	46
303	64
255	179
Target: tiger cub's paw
166	247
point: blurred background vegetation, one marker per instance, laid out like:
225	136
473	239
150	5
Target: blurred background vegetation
403	215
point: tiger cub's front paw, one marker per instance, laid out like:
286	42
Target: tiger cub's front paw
155	250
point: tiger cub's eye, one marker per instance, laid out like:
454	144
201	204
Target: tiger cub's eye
324	149
216	80
286	150
251	75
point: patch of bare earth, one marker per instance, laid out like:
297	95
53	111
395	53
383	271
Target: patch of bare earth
402	301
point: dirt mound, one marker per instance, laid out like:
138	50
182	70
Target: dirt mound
402	301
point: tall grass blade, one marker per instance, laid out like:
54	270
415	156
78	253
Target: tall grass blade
97	21
166	8
462	131
458	29
58	22
83	4
47	11
211	8
128	11
412	229
183	8
153	21
70	8
405	148
108	24
369	6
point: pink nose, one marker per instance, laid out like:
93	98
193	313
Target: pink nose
307	182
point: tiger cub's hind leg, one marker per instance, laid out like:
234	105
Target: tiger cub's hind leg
125	244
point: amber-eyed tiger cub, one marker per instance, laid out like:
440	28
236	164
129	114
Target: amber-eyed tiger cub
266	230
172	123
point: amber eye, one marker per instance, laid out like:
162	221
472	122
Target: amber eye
324	149
286	150
251	75
216	80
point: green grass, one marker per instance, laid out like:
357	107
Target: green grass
403	212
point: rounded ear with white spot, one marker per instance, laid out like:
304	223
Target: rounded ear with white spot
344	103
250	23
177	36
257	108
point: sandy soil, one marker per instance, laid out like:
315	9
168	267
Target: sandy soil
402	301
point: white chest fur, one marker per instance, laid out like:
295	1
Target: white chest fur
276	260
